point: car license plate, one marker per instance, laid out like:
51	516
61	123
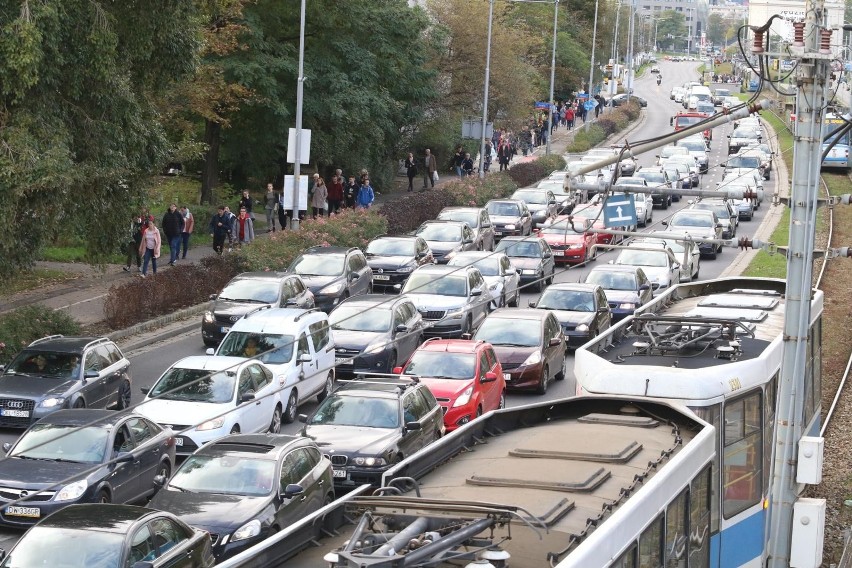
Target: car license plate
178	441
498	233
14	413
225	329
338	473
32	512
558	253
340	360
507	376
381	277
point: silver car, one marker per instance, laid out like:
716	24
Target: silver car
540	202
504	282
477	219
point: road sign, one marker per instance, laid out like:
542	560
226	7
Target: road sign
619	211
590	105
304	147
472	128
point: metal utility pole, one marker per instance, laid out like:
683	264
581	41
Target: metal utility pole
300	82
810	108
615	36
630	38
553	75
592	62
485	93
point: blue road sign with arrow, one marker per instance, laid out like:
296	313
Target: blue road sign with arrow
619	211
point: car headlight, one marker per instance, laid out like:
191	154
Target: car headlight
494	286
455	310
72	491
532	359
370	461
464	397
376	348
510	227
52	402
407	268
248	530
211	424
208	317
582	327
332	289
528	272
575	246
627	306
450	254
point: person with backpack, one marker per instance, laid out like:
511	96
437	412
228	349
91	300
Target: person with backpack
220	228
365	194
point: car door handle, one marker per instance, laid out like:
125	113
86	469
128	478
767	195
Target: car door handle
257	403
321	482
302	500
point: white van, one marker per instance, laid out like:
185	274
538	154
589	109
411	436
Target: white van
700	92
295	344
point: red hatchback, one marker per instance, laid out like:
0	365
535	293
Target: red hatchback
569	245
465	376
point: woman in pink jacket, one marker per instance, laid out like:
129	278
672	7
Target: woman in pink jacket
149	248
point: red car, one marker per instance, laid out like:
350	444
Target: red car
465	376
567	244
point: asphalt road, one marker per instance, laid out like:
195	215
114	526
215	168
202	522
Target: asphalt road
150	362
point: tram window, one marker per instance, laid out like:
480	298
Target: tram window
650	545
699	520
742	464
713	415
770	402
676	533
626	560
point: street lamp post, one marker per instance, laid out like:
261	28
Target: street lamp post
630	38
553	75
485	93
592	60
300	81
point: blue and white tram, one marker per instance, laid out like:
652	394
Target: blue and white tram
715	347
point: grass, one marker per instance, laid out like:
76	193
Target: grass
31	280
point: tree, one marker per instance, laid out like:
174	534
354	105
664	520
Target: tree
79	127
671	29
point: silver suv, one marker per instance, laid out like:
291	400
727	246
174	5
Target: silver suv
453	300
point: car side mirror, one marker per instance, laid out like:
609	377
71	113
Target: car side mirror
213	296
671	123
401	328
303	418
489	377
532	304
720	225
476	292
412	426
554	341
2	368
397	370
354	276
159	481
676	266
290	302
664	223
551	202
247	396
145	390
655	285
518	270
90	374
468	241
486	225
124	457
292	490
6	447
304	358
210	351
644	287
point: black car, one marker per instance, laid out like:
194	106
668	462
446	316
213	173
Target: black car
367	426
447	238
111	536
246	292
621	99
509	217
245	487
582	310
116	456
63	372
333	274
393	259
477	219
374	333
626	288
533	259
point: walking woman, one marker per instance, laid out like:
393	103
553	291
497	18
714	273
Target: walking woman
149	248
319	198
410	170
243	228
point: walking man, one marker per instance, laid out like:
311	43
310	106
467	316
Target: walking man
220	229
188	226
270	200
430	166
172	227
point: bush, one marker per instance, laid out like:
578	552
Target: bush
21	327
586	139
473	191
552	163
164	293
405	215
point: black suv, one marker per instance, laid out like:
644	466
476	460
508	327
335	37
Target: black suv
374	333
63	372
333	274
368	425
247	291
393	259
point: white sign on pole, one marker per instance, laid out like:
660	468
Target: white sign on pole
303	193
305	149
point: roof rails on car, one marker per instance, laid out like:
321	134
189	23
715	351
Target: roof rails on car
48	338
257	309
98	341
402	382
306	312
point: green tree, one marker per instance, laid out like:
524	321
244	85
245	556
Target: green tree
671	29
79	126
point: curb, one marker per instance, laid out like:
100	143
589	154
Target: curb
158	323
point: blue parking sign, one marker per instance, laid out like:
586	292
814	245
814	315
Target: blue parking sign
619	211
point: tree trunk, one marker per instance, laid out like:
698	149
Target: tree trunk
210	170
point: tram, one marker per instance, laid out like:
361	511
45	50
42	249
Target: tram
714	347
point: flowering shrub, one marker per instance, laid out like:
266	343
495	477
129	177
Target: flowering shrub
529	173
21	327
473	191
608	124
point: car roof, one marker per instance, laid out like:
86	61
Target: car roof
444	222
83	416
374	301
112	518
208	362
250	446
375	387
452	345
396	237
617	268
319	249
444	269
460	208
271	275
63	344
574	286
521	238
477	255
514	201
519	313
275	318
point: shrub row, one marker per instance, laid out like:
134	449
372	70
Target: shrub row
473	191
608	124
181	286
407	214
21	327
528	173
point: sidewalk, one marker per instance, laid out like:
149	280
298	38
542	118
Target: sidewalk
82	298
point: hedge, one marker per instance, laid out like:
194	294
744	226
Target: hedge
22	326
608	124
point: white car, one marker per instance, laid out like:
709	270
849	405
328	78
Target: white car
685	251
296	345
659	264
668	151
501	277
203	398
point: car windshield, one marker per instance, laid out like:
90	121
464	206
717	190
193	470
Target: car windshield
358	318
612	280
743	162
442	365
670	151
535	197
587	212
488	266
684	121
354	410
720	210
523	249
501	208
60	442
61	548
471	217
642	258
562	228
745	132
571	300
45	364
195	385
225	475
249	290
440	232
687	220
319	265
273	348
510	332
694	146
722	93
632	181
436	284
391	247
652	177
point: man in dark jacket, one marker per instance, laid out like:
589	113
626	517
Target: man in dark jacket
350	192
220	228
172	227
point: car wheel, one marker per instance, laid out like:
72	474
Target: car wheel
552	276
697	270
468	324
561	374
545	380
80	403
290	410
124	395
275	424
329	385
235	429
103	497
517	299
502	403
478	411
165	470
539	282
